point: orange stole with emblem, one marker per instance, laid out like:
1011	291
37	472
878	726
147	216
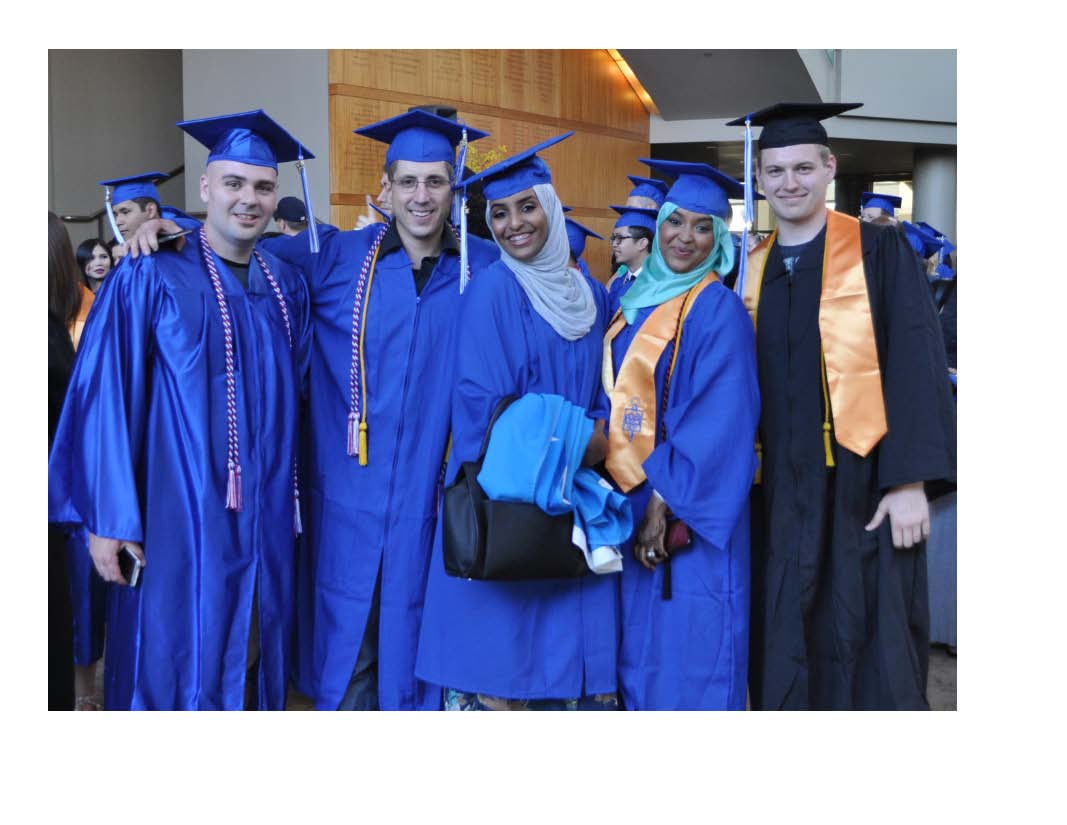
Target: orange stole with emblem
846	328
632	427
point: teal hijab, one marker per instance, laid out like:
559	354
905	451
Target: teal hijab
658	282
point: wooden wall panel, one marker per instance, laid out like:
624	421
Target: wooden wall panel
520	96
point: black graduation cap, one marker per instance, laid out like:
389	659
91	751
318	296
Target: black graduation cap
787	124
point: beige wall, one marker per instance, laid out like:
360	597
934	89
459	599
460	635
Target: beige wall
111	113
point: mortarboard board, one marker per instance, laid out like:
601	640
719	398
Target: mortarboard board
439	109
698	187
787	124
648	188
923	242
255	138
931	230
246	137
420	136
875	200
576	235
635	216
519	172
135	186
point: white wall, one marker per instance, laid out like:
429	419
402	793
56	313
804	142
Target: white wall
909	84
111	113
290	85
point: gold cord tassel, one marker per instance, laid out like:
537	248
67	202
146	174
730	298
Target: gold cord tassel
826	444
759	464
362	443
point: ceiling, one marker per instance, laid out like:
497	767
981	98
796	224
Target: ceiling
694	84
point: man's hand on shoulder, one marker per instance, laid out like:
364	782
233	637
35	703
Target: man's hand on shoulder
146	238
909	514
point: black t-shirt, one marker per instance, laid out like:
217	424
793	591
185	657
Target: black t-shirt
239	270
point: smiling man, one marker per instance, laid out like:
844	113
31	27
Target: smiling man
177	443
856	423
384	302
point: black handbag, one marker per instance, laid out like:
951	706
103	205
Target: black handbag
504	540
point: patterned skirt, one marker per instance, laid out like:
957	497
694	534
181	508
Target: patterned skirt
457	700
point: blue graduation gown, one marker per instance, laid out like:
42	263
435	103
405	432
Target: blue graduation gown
88	596
522	639
141	454
383	515
691	652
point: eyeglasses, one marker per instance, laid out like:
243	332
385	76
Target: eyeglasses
620	238
409	183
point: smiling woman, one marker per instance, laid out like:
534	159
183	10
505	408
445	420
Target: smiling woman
680	377
532	325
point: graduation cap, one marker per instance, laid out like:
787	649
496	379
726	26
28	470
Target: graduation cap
439	109
875	200
922	241
576	235
699	187
126	189
648	188
257	139
420	136
519	172
135	186
636	216
787	124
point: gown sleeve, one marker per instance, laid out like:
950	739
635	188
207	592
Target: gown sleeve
704	468
490	356
920	444
93	468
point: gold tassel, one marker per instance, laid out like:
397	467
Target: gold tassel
362	443
826	443
759	464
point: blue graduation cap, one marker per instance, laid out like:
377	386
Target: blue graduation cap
576	235
420	136
254	138
648	188
136	186
699	187
875	200
519	172
922	241
635	216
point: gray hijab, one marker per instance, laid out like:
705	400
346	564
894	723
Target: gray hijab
559	293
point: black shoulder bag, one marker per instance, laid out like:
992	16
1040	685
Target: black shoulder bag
504	540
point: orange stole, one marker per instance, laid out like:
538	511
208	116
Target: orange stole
632	428
846	328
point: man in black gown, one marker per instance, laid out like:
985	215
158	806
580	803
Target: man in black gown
840	615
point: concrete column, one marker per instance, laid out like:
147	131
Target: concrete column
934	181
848	190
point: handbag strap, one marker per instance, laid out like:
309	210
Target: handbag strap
499	411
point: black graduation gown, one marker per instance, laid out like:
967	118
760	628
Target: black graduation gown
840	618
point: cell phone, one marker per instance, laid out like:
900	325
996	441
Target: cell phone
130	566
162	239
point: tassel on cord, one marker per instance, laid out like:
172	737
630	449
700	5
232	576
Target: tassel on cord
352	434
826	429
759	464
362	443
233	488
298	526
826	444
